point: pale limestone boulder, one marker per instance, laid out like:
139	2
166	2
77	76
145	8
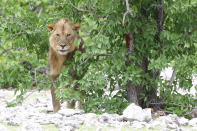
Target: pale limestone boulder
136	113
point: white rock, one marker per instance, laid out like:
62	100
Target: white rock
194	112
165	129
147	114
172	126
137	124
183	121
30	126
71	122
90	119
66	128
193	122
3	128
103	118
155	123
70	112
134	112
194	128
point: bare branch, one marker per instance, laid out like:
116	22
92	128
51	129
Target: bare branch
103	55
97	56
6	50
89	11
78	9
127	12
29	95
192	31
81	48
40	11
173	104
84	62
102	27
151	6
35	75
172	77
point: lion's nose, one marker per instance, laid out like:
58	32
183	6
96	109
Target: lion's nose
62	46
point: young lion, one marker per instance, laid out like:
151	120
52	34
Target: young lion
63	35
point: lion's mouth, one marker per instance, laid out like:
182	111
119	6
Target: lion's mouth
62	50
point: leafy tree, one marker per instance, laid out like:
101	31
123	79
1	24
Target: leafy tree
127	43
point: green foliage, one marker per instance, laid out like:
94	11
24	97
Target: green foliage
160	39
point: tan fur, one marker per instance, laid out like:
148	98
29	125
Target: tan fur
62	38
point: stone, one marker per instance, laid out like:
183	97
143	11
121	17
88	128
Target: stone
193	122
116	117
3	128
179	129
134	112
90	119
70	112
169	119
138	124
193	112
173	118
30	126
103	119
183	121
70	122
67	128
172	126
155	123
194	128
165	129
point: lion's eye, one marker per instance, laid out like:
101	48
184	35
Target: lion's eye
57	34
68	34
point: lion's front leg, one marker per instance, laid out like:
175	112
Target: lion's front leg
55	102
55	70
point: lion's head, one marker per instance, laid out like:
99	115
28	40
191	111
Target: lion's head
63	35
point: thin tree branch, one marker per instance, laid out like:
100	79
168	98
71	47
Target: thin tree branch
192	31
40	12
127	12
102	27
174	104
151	6
84	62
97	56
35	75
78	9
172	77
89	11
6	50
29	95
81	48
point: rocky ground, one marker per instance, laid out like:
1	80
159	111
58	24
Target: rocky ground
33	115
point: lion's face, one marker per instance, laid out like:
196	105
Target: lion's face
63	35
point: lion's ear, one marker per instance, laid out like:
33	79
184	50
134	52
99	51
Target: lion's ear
76	27
51	27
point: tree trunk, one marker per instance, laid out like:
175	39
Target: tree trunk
132	93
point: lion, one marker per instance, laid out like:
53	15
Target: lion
62	45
